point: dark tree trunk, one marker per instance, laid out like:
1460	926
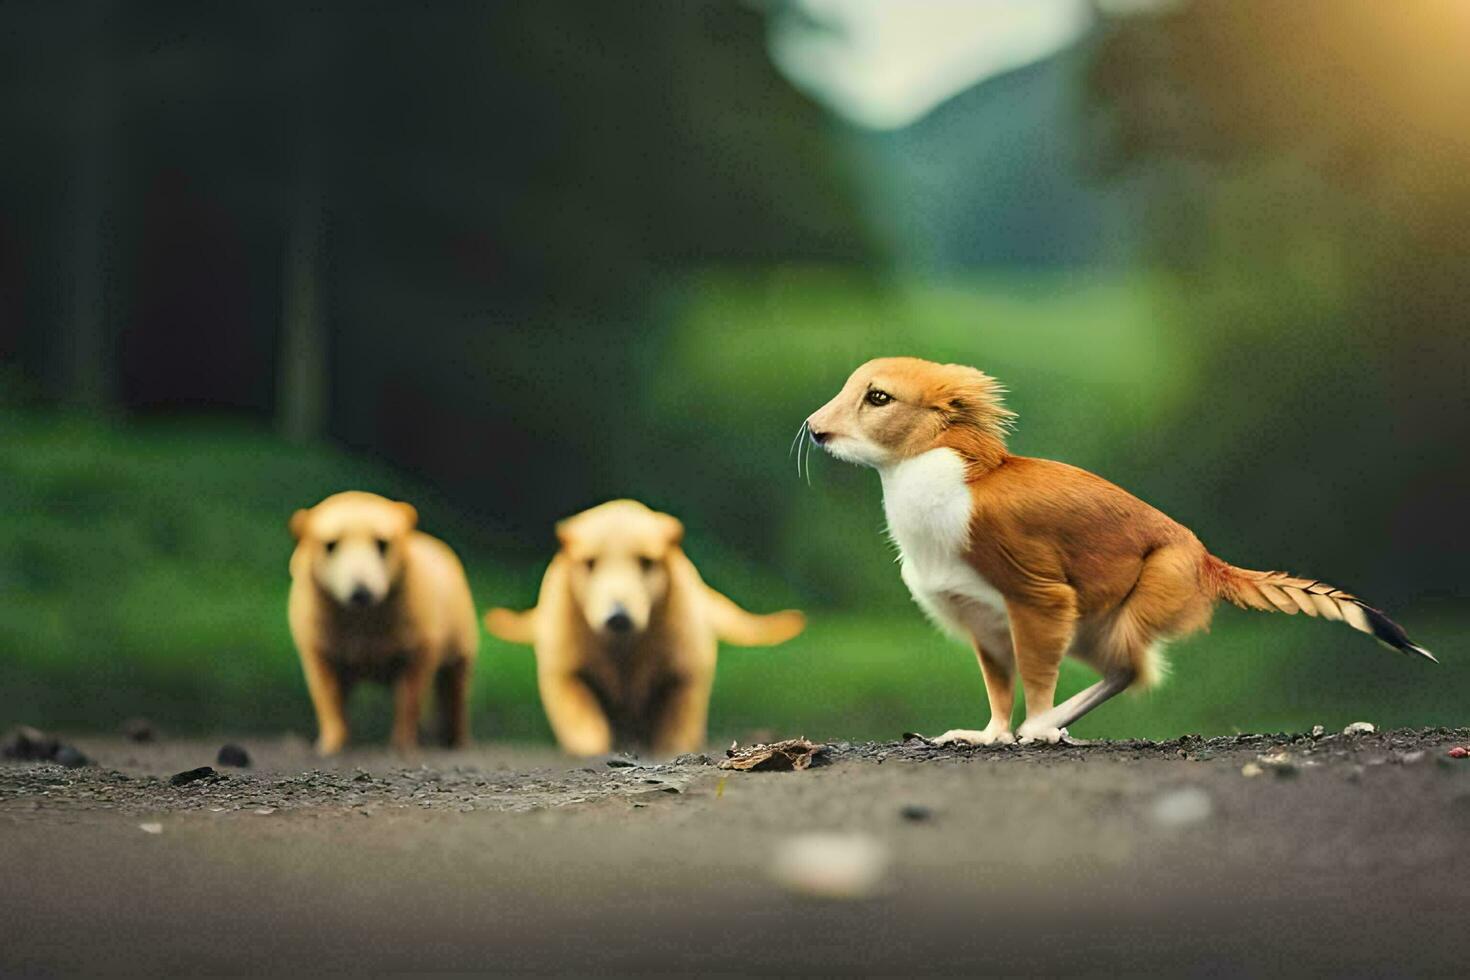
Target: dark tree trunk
302	376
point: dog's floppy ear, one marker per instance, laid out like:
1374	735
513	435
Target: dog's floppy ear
673	529
297	524
410	516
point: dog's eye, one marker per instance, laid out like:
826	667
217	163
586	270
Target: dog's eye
645	563
877	398
331	546
591	563
382	546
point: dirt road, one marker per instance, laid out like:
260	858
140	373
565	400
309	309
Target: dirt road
1341	853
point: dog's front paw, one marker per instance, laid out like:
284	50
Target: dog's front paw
330	742
965	736
1030	735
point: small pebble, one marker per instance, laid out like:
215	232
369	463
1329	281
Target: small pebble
1318	731
1250	770
1359	728
1280	764
151	828
265	811
831	866
139	730
190	775
70	757
231	754
29	744
1182	807
916	813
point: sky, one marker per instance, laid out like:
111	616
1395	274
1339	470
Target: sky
882	65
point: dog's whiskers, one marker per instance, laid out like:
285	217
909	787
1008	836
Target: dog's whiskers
796	448
808	443
801	451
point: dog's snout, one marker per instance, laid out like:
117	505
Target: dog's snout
818	436
619	621
361	596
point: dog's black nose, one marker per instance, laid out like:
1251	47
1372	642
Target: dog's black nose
620	621
819	437
360	596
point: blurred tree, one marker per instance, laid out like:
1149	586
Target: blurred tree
1312	160
463	216
84	326
301	384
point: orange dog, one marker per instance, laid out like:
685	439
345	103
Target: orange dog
1031	560
374	599
626	633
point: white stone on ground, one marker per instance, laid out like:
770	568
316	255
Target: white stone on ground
831	865
1182	807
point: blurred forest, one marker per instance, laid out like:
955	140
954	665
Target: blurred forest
511	259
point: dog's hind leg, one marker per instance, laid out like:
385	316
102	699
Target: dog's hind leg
1084	701
1042	630
409	688
452	695
1163	602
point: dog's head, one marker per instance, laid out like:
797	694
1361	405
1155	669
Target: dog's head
352	544
618	564
894	408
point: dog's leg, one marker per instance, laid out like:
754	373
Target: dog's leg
1041	632
452	687
409	689
683	718
327	699
1000	690
1083	701
576	716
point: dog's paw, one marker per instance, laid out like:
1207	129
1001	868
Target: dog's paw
1034	734
965	736
330	743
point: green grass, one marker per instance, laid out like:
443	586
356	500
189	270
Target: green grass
144	573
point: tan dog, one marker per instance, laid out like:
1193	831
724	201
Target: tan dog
626	632
1031	560
374	599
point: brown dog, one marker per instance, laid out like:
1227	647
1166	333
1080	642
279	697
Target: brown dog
374	599
626	633
1030	560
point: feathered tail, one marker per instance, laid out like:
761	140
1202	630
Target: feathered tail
1279	592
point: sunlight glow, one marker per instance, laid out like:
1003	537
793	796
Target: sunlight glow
884	65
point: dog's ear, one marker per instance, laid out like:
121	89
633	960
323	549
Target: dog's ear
410	516
297	523
564	532
673	529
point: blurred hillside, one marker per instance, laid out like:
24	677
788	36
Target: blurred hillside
509	260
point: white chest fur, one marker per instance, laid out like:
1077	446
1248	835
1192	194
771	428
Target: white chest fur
928	506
